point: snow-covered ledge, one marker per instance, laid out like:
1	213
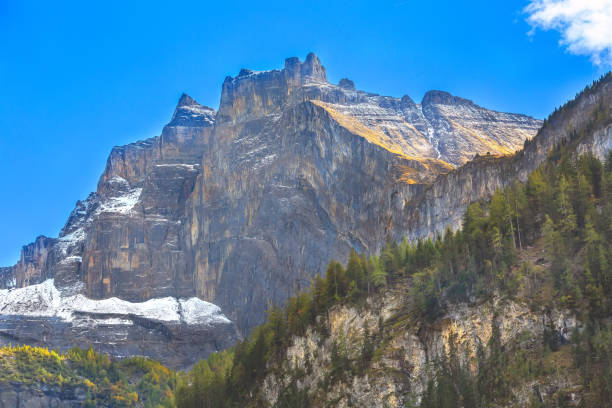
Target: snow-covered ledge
45	300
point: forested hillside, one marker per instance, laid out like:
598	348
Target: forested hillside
541	248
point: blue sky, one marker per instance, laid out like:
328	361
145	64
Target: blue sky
77	78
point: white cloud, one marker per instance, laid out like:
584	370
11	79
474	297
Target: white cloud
585	25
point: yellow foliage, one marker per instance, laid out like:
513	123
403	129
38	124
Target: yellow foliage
90	385
427	167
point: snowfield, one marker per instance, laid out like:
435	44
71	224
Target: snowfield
122	204
45	300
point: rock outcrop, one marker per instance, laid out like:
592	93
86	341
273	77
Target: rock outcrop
171	330
243	206
406	360
44	396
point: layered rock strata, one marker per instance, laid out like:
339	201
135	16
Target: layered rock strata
242	207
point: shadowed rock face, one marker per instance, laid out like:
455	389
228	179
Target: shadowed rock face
300	171
264	219
243	207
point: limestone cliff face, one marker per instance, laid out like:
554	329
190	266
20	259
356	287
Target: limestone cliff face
32	263
123	242
243	206
134	251
400	374
254	94
300	171
264	219
123	239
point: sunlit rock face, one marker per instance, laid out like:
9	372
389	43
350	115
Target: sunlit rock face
442	126
399	375
242	207
134	251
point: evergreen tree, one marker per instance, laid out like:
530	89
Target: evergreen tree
567	223
378	273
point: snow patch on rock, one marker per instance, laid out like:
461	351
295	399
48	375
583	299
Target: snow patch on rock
70	241
121	204
45	300
197	311
184	165
199	111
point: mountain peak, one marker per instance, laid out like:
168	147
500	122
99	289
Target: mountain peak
309	70
291	63
274	87
186	100
313	68
407	101
436	97
189	112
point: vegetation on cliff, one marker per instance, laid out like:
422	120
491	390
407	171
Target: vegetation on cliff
123	383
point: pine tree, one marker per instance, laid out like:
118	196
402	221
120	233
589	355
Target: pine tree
378	274
567	223
496	381
367	350
355	272
550	237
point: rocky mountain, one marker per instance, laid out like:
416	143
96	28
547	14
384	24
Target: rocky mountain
514	309
242	207
123	241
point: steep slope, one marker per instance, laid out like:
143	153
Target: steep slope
301	171
242	207
512	310
443	203
123	241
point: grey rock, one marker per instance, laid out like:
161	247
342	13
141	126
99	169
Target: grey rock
16	395
443	203
346	83
177	345
244	206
